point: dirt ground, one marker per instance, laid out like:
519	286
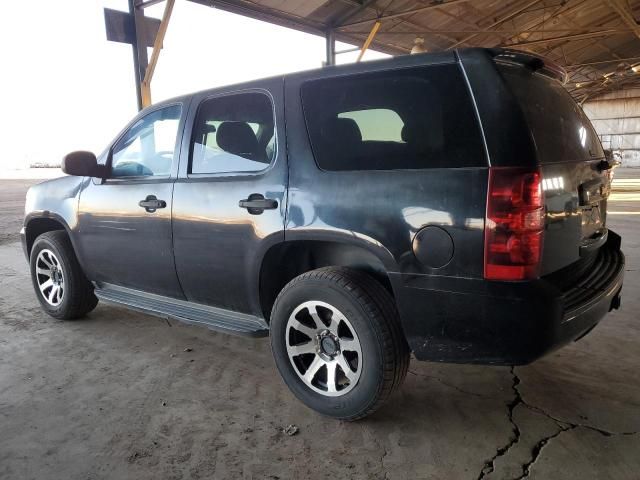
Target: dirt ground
124	395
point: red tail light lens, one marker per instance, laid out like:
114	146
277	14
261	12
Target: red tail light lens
514	228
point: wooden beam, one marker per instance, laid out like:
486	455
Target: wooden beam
369	39
157	46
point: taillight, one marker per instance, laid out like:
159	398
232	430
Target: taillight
514	228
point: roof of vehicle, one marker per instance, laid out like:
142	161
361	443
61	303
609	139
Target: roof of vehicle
504	55
327	71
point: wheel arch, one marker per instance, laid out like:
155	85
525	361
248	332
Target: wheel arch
36	225
286	260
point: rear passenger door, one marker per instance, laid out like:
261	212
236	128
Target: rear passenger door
229	199
394	161
385	154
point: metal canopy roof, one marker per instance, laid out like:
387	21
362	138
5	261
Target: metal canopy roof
597	41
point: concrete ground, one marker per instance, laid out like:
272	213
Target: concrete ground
125	395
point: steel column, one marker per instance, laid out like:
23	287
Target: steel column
331	47
139	48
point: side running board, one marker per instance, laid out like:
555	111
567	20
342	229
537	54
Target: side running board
214	318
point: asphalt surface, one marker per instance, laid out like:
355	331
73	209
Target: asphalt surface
125	395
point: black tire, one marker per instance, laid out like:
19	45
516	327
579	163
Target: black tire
77	298
371	311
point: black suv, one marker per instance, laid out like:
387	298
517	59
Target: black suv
452	205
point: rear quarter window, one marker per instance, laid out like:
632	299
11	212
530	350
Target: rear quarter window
411	118
560	128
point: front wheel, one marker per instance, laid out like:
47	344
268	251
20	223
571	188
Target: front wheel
337	342
58	280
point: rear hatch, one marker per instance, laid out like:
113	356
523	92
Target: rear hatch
576	177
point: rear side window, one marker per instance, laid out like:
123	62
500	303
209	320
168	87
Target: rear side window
411	118
560	128
233	133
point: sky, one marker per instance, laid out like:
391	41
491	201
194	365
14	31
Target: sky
64	87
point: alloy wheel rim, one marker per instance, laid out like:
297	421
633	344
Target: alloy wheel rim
50	277
323	348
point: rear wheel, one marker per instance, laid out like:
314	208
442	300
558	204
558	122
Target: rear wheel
337	342
60	285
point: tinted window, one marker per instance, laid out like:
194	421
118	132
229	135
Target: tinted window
560	127
402	119
148	147
233	133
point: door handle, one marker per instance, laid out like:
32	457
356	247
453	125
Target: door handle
256	204
151	203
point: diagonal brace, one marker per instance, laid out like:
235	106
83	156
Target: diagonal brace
153	61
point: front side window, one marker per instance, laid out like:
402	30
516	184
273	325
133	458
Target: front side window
147	149
411	118
233	133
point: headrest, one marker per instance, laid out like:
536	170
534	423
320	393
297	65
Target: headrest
206	128
405	134
237	138
342	131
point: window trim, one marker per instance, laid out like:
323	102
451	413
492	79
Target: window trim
232	174
176	152
380	71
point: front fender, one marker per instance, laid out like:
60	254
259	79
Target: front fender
57	200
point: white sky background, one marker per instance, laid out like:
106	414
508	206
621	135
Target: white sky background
64	87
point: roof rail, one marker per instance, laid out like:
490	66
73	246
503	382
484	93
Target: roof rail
535	62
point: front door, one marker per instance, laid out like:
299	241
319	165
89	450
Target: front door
229	198
125	220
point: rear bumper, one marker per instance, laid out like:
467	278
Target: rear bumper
477	321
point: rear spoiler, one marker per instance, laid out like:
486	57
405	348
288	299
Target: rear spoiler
535	62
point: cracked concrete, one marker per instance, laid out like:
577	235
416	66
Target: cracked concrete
554	426
489	466
116	396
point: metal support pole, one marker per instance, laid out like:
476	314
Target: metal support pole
331	47
348	50
139	50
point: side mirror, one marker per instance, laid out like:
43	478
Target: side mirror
82	164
